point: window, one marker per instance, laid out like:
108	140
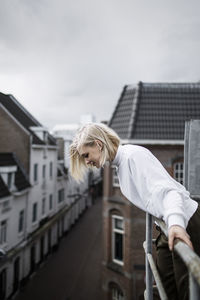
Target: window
9	180
35	170
178	172
50	202
3	229
117	238
51	169
43	171
60	195
117	294
43	206
21	221
115	176
34	216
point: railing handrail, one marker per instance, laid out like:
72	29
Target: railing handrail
189	257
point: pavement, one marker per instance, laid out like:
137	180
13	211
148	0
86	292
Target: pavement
73	272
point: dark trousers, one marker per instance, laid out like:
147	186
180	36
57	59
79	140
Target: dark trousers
171	268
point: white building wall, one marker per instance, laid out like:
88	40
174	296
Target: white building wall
43	187
19	203
61	185
6	206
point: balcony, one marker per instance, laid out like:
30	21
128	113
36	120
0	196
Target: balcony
188	256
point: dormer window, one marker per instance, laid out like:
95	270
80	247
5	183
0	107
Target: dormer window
41	132
8	175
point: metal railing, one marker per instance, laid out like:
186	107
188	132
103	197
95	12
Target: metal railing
189	257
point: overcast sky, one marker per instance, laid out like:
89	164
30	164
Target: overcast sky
65	58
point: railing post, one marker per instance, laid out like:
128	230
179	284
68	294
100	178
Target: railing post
149	275
192	158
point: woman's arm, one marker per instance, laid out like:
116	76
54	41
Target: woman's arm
161	194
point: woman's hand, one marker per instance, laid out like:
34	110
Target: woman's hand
176	231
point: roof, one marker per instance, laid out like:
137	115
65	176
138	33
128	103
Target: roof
156	111
21	179
23	117
4	192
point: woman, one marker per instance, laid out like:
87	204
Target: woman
145	182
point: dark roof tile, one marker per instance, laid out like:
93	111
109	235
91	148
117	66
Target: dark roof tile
156	111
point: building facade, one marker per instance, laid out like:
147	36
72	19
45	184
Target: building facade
37	204
152	115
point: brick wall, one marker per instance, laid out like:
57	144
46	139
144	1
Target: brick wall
131	276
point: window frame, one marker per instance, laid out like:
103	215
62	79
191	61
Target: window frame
51	170
61	195
43	172
178	171
21	221
43	210
119	231
35	172
116	293
50	201
115	179
3	232
34	212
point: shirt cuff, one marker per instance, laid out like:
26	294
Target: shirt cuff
176	219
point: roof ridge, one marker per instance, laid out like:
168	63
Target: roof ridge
171	84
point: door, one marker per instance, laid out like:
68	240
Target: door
49	240
42	249
32	259
16	274
3	284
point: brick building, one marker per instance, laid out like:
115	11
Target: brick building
152	115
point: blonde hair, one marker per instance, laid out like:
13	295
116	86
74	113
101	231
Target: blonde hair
86	136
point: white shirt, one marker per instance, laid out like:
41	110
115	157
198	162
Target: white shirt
145	182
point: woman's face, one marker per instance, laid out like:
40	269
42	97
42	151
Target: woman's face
91	154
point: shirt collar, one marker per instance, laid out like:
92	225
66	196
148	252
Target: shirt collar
116	160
